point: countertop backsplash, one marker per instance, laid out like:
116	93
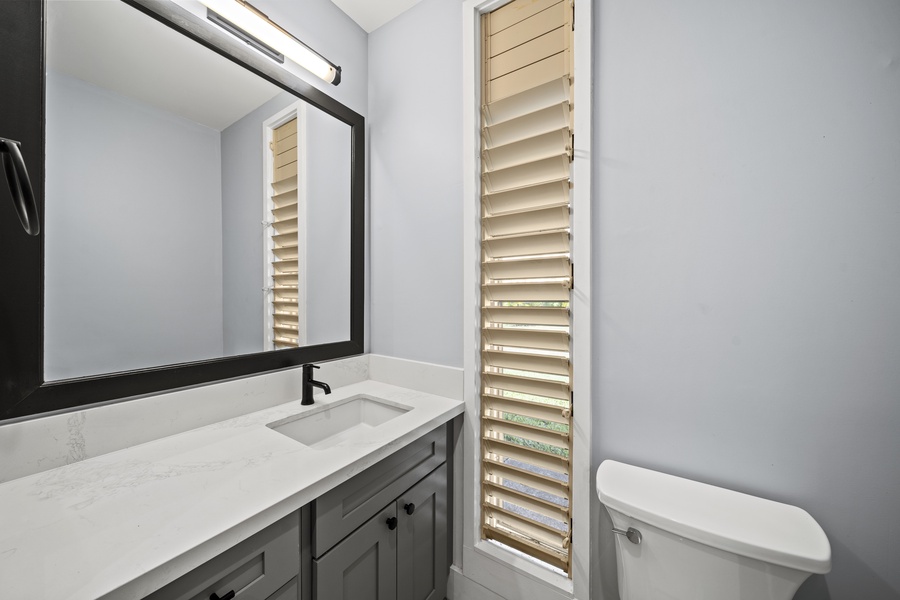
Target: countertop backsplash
39	444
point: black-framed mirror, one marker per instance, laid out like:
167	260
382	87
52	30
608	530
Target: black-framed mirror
168	201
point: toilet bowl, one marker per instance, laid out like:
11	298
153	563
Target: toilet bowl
678	539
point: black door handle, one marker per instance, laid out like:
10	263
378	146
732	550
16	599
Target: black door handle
20	186
392	523
228	596
409	508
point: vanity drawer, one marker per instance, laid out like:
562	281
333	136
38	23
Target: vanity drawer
256	569
290	591
339	512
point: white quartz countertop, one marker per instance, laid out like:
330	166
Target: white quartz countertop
126	523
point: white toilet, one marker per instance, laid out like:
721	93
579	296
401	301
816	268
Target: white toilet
683	540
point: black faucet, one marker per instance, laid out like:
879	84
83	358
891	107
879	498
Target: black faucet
309	383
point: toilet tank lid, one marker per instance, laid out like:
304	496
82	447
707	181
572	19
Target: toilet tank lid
746	525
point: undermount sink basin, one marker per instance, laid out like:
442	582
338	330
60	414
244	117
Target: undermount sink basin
334	423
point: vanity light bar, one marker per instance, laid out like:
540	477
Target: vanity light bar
268	37
243	36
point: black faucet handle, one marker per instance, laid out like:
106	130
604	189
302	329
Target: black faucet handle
308	371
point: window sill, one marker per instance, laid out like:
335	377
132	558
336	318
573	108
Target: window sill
500	565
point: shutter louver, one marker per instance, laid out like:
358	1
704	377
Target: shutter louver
526	389
532	197
285	238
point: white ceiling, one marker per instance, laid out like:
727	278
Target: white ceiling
372	14
113	46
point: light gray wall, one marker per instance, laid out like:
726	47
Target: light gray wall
110	225
747	206
415	104
327	236
747	330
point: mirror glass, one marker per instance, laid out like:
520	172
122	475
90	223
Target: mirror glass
194	210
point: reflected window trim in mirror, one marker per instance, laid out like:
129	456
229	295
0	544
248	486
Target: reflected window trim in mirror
281	313
262	31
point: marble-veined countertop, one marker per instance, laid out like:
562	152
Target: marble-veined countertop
124	524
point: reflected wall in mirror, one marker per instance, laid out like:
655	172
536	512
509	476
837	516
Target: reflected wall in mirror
173	201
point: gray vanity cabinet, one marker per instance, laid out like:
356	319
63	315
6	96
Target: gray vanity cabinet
383	535
401	553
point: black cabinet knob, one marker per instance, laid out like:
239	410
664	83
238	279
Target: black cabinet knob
409	508
228	596
392	523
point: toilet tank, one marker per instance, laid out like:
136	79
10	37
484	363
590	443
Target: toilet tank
702	542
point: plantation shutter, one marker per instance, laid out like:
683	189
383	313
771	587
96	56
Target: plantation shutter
285	236
526	387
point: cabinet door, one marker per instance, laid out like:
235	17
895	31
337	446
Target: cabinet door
422	566
363	566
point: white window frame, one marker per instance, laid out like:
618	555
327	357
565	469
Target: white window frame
499	570
298	110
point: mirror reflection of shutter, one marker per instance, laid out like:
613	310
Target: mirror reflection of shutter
285	236
526	278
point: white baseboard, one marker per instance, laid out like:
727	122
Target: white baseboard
459	587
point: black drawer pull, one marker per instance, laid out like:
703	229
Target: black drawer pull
392	523
409	508
20	186
228	596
